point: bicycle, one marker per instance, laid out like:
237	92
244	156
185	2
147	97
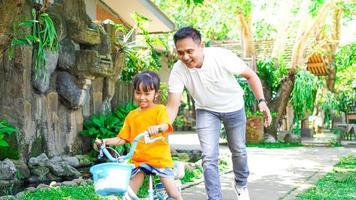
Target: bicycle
105	175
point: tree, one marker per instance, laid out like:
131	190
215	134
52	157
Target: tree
313	30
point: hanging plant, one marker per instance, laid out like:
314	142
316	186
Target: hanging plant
303	94
43	37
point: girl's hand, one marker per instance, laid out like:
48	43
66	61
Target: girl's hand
153	130
99	142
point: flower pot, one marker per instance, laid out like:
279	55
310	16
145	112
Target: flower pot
254	130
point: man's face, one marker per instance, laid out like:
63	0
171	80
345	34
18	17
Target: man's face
190	52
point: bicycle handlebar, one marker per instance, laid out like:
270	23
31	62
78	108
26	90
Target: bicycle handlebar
147	140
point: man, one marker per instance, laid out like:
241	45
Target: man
209	76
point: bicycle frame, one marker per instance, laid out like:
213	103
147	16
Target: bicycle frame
129	194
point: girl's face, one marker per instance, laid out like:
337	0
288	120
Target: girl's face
145	99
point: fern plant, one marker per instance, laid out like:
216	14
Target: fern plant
43	37
107	125
5	129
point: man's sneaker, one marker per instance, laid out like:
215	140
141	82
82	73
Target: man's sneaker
241	192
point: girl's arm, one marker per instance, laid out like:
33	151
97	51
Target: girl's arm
116	141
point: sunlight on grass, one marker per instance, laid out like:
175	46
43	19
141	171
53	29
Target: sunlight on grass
64	192
340	184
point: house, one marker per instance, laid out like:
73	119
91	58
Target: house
120	11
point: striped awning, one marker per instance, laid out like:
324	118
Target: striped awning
317	65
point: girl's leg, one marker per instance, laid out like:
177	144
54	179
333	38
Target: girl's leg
137	181
171	188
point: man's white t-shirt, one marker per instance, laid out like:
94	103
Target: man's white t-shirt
213	86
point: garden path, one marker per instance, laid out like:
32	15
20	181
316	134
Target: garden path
274	173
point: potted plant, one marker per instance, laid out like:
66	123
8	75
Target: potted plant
254	128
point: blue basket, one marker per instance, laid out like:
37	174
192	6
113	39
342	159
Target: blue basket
111	178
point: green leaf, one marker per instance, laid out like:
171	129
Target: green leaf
3	143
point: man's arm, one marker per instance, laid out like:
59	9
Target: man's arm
173	104
256	87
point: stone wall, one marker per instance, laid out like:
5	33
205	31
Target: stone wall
81	77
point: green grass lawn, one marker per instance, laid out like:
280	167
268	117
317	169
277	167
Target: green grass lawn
340	184
274	145
84	192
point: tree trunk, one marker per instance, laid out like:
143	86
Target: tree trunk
335	36
280	103
247	42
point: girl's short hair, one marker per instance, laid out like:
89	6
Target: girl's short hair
149	80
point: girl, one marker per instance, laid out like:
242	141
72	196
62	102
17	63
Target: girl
155	157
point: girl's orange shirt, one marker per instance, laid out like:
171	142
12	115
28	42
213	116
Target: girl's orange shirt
157	154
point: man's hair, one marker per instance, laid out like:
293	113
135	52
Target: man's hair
149	80
187	32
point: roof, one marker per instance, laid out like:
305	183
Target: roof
124	8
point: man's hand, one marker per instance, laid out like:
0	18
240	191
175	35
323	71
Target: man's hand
262	106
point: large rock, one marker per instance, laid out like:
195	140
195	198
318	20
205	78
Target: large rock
67	88
268	138
22	169
81	28
7	170
71	160
63	169
41	79
40	160
90	64
292	138
40	171
67	49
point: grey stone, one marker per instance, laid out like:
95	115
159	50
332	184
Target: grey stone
268	138
81	27
67	50
69	183
42	186
89	63
72	161
68	90
41	79
8	197
78	181
56	159
292	138
51	177
63	169
7	169
281	135
40	171
22	170
38	161
89	181
34	179
20	195
104	48
30	189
